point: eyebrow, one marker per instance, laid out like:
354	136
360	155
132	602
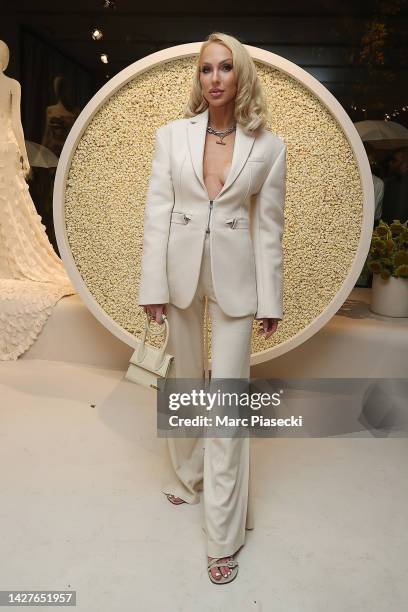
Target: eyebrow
221	62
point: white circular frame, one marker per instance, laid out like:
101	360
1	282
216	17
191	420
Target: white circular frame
179	52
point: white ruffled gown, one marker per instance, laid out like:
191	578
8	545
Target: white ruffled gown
32	276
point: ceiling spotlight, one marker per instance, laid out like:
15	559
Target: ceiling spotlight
97	34
109	4
104	58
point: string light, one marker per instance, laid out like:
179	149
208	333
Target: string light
387	116
109	4
97	33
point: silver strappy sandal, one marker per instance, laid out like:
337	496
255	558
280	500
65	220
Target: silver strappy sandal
232	563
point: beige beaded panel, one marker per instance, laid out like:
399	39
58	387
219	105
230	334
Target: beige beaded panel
108	177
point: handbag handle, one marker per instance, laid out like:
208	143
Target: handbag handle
141	353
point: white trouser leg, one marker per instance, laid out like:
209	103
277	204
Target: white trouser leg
186	344
227	504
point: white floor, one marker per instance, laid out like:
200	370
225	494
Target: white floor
82	510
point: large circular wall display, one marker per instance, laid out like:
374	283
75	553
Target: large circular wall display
102	179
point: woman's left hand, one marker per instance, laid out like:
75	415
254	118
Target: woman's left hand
268	327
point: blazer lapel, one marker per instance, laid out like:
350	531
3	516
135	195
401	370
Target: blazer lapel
196	130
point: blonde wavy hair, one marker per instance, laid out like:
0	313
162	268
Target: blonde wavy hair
251	110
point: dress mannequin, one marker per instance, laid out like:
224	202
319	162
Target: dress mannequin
32	276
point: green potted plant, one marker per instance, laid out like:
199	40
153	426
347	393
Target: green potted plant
388	261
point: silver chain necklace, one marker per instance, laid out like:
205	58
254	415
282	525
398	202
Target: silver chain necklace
221	134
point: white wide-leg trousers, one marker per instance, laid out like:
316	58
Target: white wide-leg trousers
220	467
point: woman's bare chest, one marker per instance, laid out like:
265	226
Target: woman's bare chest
217	163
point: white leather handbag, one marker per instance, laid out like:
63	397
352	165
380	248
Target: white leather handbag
148	363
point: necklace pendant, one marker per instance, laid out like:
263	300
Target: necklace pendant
220	134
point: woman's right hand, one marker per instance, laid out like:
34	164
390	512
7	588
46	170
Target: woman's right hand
156	311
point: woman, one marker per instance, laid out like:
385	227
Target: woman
202	239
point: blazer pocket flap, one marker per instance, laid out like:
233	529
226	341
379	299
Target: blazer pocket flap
238	222
180	217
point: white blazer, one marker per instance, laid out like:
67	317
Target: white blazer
245	222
